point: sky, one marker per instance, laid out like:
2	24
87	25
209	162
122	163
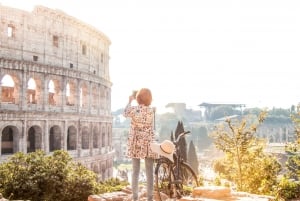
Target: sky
195	51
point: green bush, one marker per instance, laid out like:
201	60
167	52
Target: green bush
287	189
40	177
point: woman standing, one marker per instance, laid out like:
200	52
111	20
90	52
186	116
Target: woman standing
140	136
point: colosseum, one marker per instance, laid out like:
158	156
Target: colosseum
55	87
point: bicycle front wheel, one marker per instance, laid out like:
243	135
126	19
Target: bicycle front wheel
188	179
174	183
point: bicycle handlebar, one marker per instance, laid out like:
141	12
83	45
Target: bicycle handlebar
181	135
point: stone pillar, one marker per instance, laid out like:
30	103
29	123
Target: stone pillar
23	90
64	94
90	98
46	134
78	96
91	135
24	135
79	138
45	93
64	135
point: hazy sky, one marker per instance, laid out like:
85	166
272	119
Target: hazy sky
194	51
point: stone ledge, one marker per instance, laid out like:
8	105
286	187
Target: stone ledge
205	193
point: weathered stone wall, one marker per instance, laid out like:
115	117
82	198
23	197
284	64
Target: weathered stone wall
55	90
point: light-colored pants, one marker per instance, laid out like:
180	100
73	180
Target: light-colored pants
135	178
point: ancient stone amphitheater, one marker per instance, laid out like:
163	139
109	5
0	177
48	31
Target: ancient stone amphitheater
55	87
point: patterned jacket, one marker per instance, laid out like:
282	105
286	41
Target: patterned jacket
141	131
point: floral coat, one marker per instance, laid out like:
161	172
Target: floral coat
141	131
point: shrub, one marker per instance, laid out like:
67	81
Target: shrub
38	177
288	189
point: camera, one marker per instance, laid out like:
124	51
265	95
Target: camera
134	92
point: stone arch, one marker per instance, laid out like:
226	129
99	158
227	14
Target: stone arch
31	91
102	97
72	138
83	96
55	136
107	98
103	170
54	89
96	137
109	131
85	138
95	167
10	140
95	96
10	88
34	139
103	136
71	93
38	89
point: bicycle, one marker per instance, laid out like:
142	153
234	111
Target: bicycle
175	179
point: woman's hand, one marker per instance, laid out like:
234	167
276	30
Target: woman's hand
131	98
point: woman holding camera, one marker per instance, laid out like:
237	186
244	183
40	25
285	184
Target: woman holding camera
140	136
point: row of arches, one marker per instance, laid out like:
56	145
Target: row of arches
54	139
54	91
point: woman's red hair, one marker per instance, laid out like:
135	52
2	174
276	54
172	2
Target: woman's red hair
144	96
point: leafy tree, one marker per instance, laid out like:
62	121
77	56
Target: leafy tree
40	177
289	186
192	158
245	163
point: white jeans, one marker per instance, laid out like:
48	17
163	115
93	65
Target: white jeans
135	178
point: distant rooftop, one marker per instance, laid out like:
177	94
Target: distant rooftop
204	104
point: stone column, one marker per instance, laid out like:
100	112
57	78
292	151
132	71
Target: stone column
22	94
46	134
45	94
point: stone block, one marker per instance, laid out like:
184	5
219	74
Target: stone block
95	198
213	192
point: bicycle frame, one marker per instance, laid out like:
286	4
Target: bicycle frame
172	177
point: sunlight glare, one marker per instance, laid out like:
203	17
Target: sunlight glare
51	86
68	90
7	81
31	84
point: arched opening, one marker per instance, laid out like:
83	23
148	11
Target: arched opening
103	171
95	138
70	94
72	138
95	167
55	138
83	96
108	138
9	140
103	137
51	91
34	139
31	91
7	89
95	97
102	98
85	138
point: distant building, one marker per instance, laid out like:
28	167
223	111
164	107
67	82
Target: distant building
280	132
55	90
